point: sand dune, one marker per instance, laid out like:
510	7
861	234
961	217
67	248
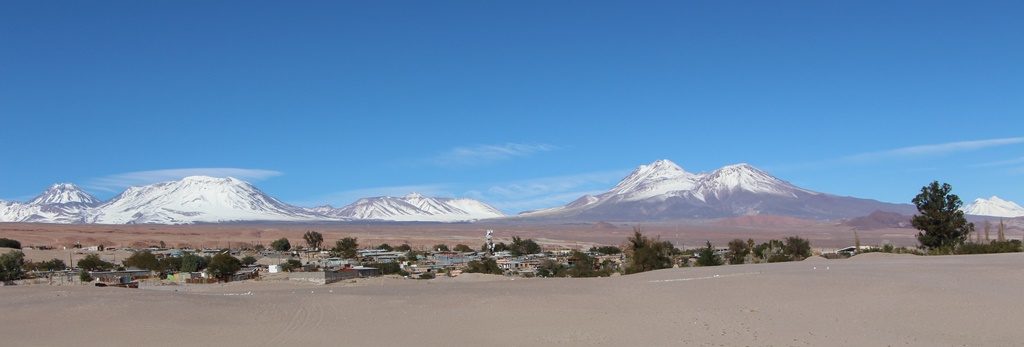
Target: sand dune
870	301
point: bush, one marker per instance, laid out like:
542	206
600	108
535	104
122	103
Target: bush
290	265
796	248
427	276
441	247
142	260
93	262
707	257
606	250
550	268
462	248
386	268
485	266
281	245
223	265
192	263
585	266
84	276
11	264
385	247
522	247
347	248
403	248
49	265
1010	246
779	258
8	243
738	250
646	254
170	264
248	260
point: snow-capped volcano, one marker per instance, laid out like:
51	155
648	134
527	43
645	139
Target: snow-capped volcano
413	207
64	193
663	190
196	199
994	207
61	203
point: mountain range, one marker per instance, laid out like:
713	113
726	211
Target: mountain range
660	191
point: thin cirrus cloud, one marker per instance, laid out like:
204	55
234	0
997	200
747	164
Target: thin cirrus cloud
999	163
482	154
113	183
933	149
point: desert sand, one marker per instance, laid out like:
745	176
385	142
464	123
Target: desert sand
868	300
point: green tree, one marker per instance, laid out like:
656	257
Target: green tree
707	257
11	264
84	276
93	262
646	254
403	248
281	245
290	265
142	260
441	247
346	248
585	266
462	248
521	246
223	265
943	225
738	251
385	247
248	260
170	264
486	266
313	239
796	248
8	243
192	263
606	250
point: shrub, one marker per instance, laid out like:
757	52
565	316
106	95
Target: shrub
707	257
385	247
93	262
170	264
49	265
8	243
248	260
386	268
522	246
462	248
550	268
192	263
142	260
646	254
427	276
11	264
346	248
291	265
403	248
738	251
585	266
606	250
796	248
281	245
1010	246
779	258
223	265
441	247
84	276
486	266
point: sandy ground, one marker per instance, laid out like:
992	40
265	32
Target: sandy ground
869	300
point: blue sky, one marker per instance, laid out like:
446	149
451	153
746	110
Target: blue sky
523	104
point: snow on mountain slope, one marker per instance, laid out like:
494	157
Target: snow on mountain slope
414	207
61	203
196	199
994	207
662	190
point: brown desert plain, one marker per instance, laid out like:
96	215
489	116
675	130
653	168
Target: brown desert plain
872	299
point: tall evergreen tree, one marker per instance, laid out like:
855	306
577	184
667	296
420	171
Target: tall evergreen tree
942	223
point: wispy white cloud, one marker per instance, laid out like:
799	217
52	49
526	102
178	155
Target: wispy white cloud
544	192
933	149
342	198
998	163
482	154
116	182
909	152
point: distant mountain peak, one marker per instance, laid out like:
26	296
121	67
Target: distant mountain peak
415	207
994	207
64	193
